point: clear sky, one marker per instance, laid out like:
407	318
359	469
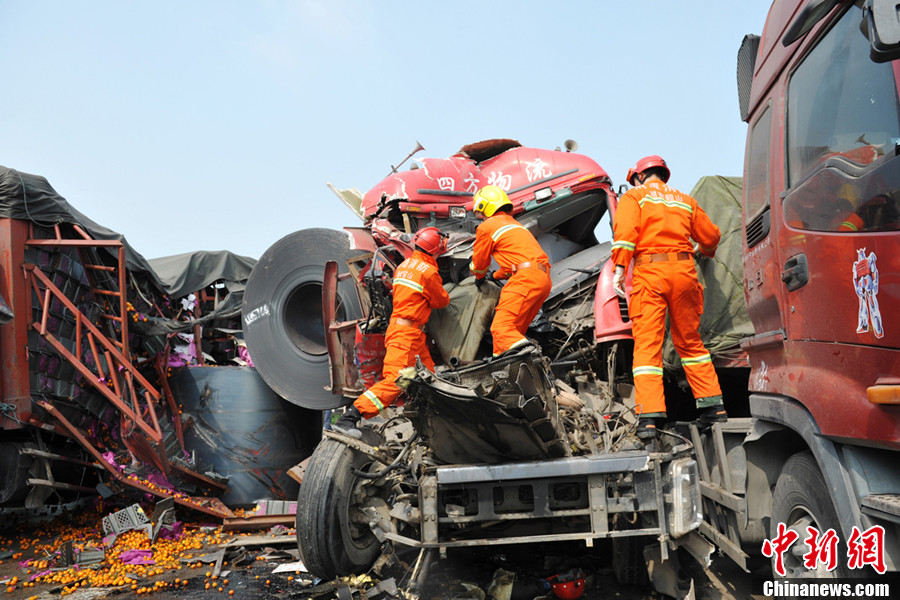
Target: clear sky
216	124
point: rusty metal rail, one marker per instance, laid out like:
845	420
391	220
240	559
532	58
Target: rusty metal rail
120	372
210	506
104	362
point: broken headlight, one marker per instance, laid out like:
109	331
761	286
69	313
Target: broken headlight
684	510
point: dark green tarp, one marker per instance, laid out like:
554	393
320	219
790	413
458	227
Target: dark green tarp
725	320
182	274
187	273
28	197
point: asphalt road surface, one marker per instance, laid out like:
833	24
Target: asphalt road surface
267	572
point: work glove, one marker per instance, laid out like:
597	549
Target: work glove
489	276
698	253
619	281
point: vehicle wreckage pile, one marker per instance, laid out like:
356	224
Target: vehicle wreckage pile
534	445
104	388
123	377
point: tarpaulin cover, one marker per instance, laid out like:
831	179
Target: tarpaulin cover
458	328
29	197
725	320
183	274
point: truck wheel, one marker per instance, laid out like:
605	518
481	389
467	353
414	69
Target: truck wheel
282	314
628	562
332	531
802	500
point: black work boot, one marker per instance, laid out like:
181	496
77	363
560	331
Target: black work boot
348	421
648	425
712	414
646	429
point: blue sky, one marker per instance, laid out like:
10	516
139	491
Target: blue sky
215	125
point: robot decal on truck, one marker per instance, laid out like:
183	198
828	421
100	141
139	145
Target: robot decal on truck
865	282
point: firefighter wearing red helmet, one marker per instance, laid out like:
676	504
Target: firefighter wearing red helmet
657	226
417	288
431	240
653	161
521	260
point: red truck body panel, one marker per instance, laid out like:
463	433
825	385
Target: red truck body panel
15	387
824	342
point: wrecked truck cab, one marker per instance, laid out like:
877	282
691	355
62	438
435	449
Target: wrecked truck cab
495	452
491	412
560	196
534	446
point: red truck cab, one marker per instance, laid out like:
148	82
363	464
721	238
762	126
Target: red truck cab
819	91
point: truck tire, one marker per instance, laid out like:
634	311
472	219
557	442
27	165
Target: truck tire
802	499
332	532
282	314
628	564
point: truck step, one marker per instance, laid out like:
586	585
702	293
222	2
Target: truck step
882	506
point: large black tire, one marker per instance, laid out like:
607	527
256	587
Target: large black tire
628	564
332	532
282	314
802	499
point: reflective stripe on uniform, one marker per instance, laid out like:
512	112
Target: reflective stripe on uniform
496	235
647	371
409	283
374	400
521	342
697	360
623	245
476	271
668	203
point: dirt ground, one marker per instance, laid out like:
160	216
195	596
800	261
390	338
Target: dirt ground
263	565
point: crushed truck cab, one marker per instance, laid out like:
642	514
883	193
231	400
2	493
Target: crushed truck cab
531	446
498	452
798	316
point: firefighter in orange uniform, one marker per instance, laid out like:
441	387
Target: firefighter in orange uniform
417	288
520	259
655	224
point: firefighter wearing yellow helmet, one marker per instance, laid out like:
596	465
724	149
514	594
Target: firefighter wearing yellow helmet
489	198
521	260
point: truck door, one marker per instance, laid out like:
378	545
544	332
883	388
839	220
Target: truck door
842	203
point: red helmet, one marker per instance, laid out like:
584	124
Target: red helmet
431	240
648	162
568	586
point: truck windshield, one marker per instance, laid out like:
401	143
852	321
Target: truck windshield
842	116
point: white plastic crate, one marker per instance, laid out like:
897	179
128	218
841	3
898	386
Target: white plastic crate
126	519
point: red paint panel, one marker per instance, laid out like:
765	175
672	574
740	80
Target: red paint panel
15	388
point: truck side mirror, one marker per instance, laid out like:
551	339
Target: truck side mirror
882	24
812	13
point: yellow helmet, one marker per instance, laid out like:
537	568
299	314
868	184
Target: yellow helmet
488	199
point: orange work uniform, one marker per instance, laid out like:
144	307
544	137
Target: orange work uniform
654	224
417	289
523	261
